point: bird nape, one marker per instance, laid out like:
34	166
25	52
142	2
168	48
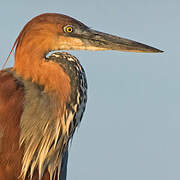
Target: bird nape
42	99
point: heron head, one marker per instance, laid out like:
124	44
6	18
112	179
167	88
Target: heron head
52	31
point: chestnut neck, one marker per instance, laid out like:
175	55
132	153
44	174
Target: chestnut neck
30	64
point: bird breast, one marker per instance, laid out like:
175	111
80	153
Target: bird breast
45	134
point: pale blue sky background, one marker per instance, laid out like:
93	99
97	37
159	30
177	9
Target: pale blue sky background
131	128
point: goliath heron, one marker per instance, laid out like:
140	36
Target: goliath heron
42	99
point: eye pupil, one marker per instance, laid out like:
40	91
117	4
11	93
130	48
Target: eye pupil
69	29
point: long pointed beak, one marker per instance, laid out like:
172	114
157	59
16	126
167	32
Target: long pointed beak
95	40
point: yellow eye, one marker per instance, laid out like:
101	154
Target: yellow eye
68	29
